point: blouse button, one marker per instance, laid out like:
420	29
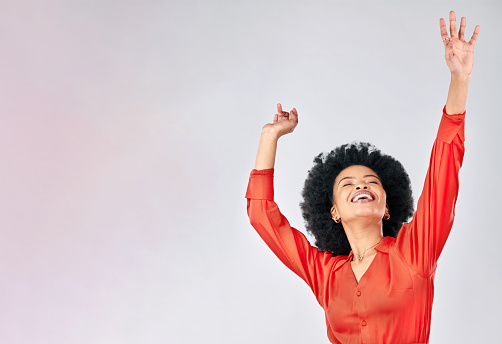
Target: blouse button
363	323
358	293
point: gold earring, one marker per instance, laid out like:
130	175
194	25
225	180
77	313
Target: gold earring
336	218
386	216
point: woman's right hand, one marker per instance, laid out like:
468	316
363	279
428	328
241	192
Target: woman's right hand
284	123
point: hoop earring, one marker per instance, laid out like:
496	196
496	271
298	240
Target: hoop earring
386	216
336	218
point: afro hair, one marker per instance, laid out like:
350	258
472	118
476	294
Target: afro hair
318	193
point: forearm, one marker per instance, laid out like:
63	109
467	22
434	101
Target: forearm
265	158
457	95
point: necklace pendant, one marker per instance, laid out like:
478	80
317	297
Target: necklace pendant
360	258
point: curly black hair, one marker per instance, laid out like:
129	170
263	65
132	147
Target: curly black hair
318	193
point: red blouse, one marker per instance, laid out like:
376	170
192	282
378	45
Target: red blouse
392	302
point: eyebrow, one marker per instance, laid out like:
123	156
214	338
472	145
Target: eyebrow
366	176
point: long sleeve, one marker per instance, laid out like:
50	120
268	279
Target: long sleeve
421	241
287	243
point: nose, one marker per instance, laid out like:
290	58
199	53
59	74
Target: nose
362	186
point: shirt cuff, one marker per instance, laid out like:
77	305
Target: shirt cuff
261	185
450	126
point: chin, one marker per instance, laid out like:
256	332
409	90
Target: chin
369	215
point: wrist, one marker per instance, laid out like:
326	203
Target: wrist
268	133
460	77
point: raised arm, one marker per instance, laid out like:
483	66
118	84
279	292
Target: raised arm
422	240
287	243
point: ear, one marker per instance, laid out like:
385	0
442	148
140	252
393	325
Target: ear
333	212
386	215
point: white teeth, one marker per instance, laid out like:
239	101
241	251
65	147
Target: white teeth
362	195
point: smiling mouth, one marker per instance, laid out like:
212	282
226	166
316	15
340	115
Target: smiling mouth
362	197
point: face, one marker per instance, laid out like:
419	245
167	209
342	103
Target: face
358	192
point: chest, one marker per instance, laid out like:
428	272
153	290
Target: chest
359	268
379	290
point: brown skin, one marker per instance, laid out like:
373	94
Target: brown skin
284	123
351	181
362	221
459	58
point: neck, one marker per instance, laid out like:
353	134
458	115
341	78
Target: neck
362	235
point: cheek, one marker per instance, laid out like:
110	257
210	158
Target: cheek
339	196
384	197
340	200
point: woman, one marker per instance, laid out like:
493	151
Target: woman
372	274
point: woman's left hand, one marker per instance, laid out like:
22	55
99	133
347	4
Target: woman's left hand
458	53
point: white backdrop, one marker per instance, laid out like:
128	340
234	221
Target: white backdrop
128	130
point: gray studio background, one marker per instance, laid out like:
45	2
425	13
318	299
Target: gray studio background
128	130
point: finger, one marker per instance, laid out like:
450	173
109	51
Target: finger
453	25
279	108
283	116
462	29
474	36
294	115
442	27
276	118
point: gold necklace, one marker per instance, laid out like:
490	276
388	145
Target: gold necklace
361	256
